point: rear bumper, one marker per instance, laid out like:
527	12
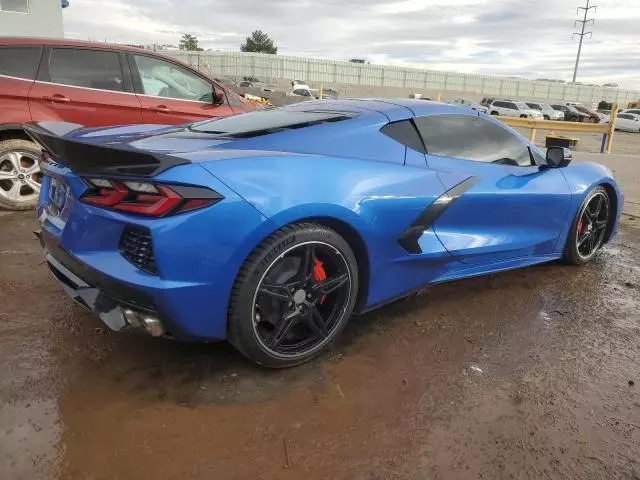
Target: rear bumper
120	306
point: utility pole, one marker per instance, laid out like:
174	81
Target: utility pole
582	33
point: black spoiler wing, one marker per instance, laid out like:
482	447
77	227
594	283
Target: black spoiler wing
91	158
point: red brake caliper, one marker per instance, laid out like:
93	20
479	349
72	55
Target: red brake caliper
580	226
319	274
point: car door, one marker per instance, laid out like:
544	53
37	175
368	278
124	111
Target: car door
497	108
18	66
91	87
502	202
172	94
628	122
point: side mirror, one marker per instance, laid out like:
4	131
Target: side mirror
218	97
558	157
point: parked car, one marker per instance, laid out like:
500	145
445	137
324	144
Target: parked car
514	109
570	113
270	228
486	101
548	113
628	122
253	82
312	93
470	104
91	84
299	84
309	93
635	111
593	117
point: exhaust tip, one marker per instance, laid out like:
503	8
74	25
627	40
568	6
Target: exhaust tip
152	325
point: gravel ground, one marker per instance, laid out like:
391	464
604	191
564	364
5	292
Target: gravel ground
529	374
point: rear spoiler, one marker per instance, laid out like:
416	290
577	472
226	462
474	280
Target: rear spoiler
92	158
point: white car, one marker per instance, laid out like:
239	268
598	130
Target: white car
463	102
304	92
508	108
296	84
548	113
628	122
635	111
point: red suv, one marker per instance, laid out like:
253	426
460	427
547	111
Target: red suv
93	84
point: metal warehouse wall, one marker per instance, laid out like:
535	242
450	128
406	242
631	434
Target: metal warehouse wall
378	78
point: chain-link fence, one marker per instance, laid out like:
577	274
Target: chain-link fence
383	80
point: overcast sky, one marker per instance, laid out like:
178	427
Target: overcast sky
528	38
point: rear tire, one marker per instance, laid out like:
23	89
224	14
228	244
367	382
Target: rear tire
19	174
546	117
588	228
281	313
494	113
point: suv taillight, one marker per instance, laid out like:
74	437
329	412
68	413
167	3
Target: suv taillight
147	198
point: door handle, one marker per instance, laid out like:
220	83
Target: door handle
56	98
161	109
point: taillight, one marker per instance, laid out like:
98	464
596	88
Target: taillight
147	198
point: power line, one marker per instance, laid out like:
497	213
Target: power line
582	33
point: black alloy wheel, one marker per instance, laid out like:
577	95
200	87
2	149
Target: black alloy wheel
293	295
589	227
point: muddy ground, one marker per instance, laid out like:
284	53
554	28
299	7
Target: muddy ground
529	374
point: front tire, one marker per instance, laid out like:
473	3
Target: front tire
494	113
293	295
588	228
19	174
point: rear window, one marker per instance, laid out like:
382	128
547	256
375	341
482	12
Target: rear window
20	62
86	68
263	122
406	133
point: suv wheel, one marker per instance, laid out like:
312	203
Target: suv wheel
19	174
494	113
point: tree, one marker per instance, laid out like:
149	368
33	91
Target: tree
190	43
259	42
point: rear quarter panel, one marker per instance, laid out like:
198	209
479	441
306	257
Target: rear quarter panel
378	200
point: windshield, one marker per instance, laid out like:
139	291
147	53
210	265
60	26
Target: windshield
535	106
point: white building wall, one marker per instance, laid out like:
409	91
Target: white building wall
43	20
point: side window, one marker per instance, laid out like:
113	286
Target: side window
472	138
165	79
20	62
498	104
404	132
512	106
86	68
625	116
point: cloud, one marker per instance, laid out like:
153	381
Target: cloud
506	37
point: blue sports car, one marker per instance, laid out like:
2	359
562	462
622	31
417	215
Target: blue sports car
270	228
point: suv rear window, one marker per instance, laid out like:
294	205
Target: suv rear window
263	122
86	68
20	62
